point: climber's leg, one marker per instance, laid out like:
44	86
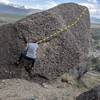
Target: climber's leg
19	59
30	68
33	61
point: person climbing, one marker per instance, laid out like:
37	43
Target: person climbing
29	53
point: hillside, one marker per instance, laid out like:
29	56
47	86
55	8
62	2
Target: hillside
11	14
8	18
95	20
10	9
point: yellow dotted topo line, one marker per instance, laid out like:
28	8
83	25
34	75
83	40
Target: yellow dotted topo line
64	29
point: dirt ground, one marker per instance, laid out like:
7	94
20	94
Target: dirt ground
18	89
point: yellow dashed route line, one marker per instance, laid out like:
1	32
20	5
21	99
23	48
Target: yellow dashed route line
63	29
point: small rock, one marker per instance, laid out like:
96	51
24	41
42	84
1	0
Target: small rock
3	81
32	98
45	85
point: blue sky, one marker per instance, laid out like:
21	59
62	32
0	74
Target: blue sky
93	5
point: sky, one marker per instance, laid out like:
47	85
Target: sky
93	5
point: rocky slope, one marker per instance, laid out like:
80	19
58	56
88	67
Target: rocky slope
55	56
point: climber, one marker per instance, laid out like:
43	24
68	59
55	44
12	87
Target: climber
29	53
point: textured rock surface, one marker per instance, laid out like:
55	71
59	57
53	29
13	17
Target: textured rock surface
93	94
91	79
55	56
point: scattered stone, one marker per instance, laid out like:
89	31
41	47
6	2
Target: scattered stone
32	98
45	85
3	81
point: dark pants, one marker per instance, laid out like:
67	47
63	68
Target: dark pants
27	68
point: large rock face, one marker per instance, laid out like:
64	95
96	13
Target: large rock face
57	54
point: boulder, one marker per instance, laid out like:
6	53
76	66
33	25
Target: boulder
91	79
61	48
93	94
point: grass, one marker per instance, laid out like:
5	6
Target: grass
96	33
95	28
94	25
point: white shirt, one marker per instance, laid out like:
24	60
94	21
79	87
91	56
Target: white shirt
31	50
